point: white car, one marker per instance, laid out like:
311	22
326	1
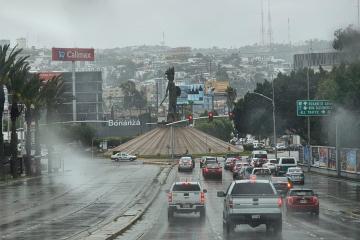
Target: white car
270	164
122	156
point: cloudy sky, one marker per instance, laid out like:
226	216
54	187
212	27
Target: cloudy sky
195	23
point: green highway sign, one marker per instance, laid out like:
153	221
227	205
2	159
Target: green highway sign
308	108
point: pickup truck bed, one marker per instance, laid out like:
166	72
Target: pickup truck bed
252	202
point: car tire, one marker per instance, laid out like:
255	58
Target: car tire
170	214
202	214
316	212
278	227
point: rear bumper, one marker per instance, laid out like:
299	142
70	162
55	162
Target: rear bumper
212	174
302	208
185	168
249	218
180	209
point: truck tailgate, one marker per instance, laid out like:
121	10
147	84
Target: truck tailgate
185	197
255	204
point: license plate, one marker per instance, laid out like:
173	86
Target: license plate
186	206
255	216
303	201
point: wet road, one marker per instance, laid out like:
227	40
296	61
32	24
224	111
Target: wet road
337	199
88	194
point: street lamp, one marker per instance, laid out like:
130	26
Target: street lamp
274	120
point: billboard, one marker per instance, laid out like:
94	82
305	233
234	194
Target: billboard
73	54
191	93
46	76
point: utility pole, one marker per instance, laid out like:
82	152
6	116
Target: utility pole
262	30
270	27
274	120
308	98
358	14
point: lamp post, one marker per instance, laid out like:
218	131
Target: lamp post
273	113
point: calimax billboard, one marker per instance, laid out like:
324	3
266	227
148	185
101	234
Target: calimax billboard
73	54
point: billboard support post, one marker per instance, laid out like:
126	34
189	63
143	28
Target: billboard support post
73	91
337	150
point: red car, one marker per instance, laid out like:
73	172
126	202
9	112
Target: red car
211	168
302	200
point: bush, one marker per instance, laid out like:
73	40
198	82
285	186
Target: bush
248	147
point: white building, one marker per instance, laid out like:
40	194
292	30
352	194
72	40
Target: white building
21	43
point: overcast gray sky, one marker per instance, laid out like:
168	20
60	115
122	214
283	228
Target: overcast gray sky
195	23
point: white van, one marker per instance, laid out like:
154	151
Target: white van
258	158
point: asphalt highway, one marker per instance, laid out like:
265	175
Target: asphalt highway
339	203
59	206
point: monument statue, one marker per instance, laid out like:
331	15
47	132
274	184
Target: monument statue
172	91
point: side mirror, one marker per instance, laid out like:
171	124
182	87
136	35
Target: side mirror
220	194
204	190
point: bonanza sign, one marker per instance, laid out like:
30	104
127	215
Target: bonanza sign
73	54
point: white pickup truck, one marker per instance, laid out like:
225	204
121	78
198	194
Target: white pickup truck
186	197
252	202
283	164
120	156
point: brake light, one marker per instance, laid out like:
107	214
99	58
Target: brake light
231	205
290	200
206	169
315	200
279	202
252	178
169	197
202	197
219	169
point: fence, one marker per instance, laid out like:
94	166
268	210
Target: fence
324	157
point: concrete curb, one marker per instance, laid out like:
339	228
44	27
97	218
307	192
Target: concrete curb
140	214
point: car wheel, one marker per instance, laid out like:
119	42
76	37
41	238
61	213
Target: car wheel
316	212
202	213
170	214
278	227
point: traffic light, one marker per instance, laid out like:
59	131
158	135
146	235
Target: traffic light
231	115
190	118
211	116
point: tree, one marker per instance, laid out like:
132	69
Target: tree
30	96
348	41
219	128
18	74
52	93
6	61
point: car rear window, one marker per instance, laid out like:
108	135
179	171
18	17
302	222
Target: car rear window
301	193
273	161
260	156
288	161
252	189
249	170
211	161
262	172
187	187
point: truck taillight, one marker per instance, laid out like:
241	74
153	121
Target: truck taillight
206	169
231	205
290	200
202	197
279	202
170	197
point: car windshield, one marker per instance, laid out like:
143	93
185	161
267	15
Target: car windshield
186	187
252	189
249	170
301	193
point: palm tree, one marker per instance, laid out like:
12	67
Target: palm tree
18	74
52	93
6	61
29	97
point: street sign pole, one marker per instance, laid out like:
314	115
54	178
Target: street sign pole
73	91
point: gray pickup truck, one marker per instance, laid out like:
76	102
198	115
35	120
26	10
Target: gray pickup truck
252	202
